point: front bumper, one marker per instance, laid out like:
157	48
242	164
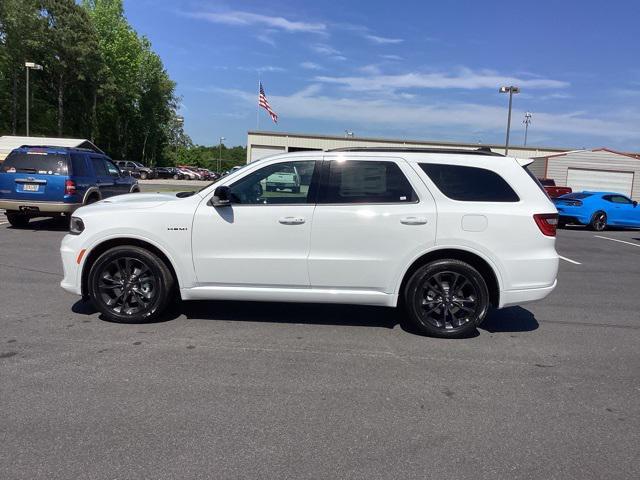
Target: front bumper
42	207
69	251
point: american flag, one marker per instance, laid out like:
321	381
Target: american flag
262	101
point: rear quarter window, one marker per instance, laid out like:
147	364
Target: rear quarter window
79	165
42	163
469	184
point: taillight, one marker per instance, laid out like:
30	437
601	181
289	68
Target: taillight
69	187
575	203
547	223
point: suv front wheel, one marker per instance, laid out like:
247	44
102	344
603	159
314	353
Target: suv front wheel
129	284
446	298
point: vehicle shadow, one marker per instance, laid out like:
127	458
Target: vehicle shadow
57	224
512	319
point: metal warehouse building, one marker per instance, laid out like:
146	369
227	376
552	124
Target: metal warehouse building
263	143
600	169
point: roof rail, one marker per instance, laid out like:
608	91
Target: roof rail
457	151
84	149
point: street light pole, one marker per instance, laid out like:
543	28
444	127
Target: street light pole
220	154
29	66
510	90
527	122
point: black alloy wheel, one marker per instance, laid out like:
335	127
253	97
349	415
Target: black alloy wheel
130	285
599	221
447	298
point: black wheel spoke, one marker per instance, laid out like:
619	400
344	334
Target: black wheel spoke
127	286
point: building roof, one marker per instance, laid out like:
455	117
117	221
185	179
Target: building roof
601	149
391	140
9	142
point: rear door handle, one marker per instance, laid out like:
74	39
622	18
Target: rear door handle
292	220
413	221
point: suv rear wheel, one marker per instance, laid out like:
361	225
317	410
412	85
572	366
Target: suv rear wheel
17	220
143	175
129	284
446	298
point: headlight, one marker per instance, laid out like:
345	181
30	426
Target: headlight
76	226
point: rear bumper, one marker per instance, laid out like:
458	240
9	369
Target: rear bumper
509	298
42	207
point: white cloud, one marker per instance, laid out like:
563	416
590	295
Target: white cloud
392	57
463	79
251	19
328	50
311	66
383	40
411	116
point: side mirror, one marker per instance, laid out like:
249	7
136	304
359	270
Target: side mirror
635	204
220	197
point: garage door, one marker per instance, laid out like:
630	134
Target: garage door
600	180
260	151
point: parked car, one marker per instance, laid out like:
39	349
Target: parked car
188	174
597	210
285	178
444	233
136	169
552	189
167	172
50	181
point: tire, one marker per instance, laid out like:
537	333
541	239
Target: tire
143	175
176	177
142	300
17	220
436	311
295	189
598	221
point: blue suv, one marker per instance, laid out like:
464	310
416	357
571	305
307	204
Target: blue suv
50	181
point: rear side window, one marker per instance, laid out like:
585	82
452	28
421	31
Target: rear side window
79	164
99	167
469	184
356	181
36	162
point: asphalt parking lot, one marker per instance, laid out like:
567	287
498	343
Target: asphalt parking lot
241	390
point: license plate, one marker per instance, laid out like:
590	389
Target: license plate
29	187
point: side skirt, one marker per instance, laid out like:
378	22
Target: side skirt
284	294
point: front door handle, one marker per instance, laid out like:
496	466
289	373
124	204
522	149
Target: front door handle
292	220
413	221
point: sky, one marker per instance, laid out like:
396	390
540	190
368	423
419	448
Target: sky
425	70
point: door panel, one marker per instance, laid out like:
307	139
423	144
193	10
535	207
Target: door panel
262	238
368	245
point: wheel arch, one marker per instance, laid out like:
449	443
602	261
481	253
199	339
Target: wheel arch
102	247
91	191
481	264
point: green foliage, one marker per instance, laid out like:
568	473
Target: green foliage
101	80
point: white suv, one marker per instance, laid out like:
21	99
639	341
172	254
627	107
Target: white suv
444	233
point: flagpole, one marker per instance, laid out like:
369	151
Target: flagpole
258	108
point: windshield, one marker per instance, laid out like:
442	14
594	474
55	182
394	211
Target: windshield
36	162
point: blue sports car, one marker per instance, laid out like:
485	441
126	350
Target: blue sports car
598	210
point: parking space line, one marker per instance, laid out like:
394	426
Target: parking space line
569	260
616	240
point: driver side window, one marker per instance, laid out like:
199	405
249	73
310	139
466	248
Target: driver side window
277	184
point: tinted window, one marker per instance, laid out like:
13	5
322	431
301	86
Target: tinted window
356	181
99	167
111	168
32	162
469	184
280	183
79	164
617	199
